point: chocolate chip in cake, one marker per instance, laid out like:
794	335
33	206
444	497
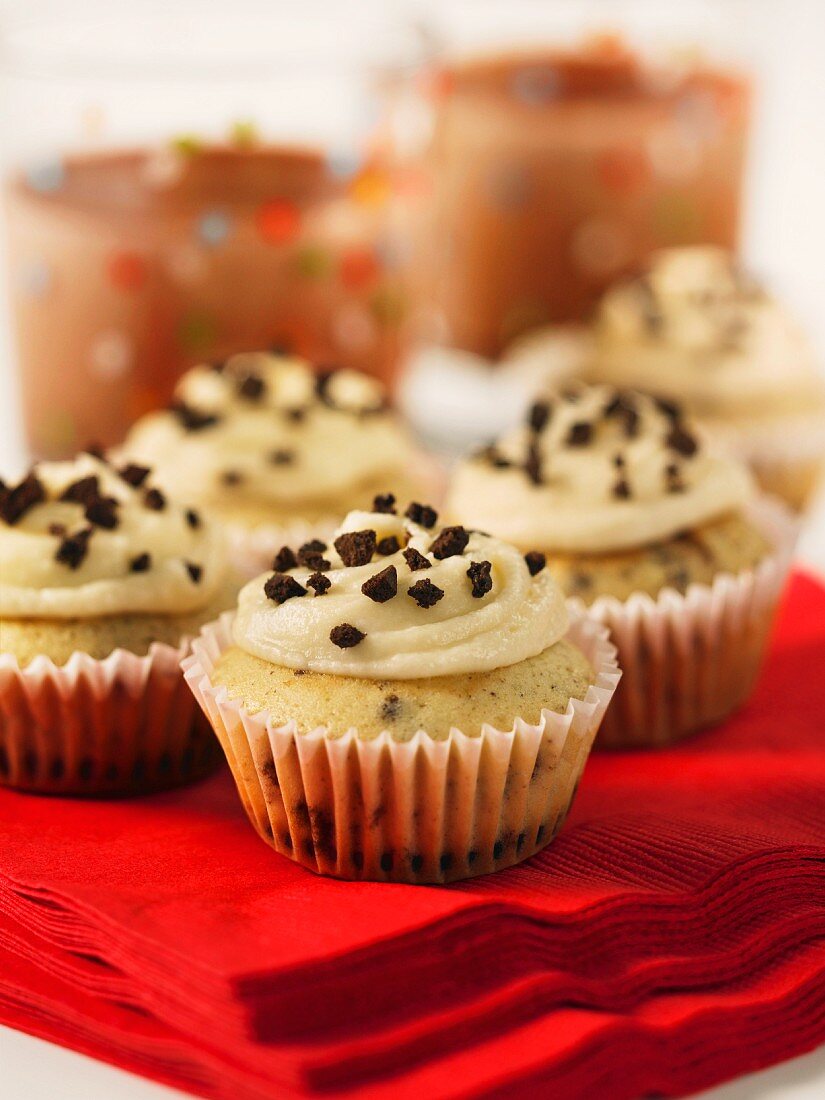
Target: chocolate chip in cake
422	514
681	441
281	457
14	503
133	474
415	560
387	546
356	547
251	387
319	583
346	636
425	593
533	464
194	571
384	504
284	560
579	434
102	512
479	574
280	587
382	586
193	519
535	561
451	542
154	499
141	563
73	550
231	477
390	707
191	420
538	415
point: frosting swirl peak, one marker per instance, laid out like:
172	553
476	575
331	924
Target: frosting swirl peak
400	598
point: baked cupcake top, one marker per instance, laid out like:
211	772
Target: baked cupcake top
695	327
594	469
398	596
84	539
266	427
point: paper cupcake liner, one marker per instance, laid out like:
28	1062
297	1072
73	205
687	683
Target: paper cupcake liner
126	724
422	810
690	660
252	549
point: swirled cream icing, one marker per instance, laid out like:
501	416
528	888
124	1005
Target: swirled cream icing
593	470
399	597
695	327
266	428
83	539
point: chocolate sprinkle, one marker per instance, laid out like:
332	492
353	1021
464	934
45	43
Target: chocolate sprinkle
280	587
284	560
422	514
387	546
74	549
141	563
154	499
382	586
384	504
535	561
102	512
682	442
346	636
194	571
356	547
192	518
538	416
319	583
134	475
479	574
450	543
281	457
14	503
415	560
425	593
251	387
580	434
191	420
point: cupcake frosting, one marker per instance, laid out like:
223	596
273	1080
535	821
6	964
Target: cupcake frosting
400	597
84	539
694	327
594	470
267	428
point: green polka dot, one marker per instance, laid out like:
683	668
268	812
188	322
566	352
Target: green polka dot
197	331
388	306
313	262
676	219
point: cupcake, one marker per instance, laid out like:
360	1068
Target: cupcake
275	451
661	538
410	702
695	329
102	580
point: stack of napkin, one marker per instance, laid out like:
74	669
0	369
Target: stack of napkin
672	936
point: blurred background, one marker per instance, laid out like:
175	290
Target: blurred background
407	188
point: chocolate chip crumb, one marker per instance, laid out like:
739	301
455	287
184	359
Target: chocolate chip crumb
422	514
284	560
281	457
621	489
670	409
356	547
580	434
450	543
280	587
346	636
295	416
535	561
194	571
674	481
384	504
681	441
74	549
479	574
311	556
387	546
538	416
494	457
251	387
231	477
14	503
425	593
96	451
83	491
319	583
382	586
619	461
192	518
154	499
141	563
415	560
532	464
57	529
134	475
191	420
102	512
322	383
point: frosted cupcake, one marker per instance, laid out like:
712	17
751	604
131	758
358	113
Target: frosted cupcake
694	328
274	450
102	579
410	702
664	540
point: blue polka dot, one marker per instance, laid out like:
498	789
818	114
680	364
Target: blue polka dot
48	176
213	228
343	163
535	86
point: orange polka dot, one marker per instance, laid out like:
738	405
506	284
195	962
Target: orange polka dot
370	187
278	221
358	267
623	171
126	270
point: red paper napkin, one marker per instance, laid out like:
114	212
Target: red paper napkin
680	913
